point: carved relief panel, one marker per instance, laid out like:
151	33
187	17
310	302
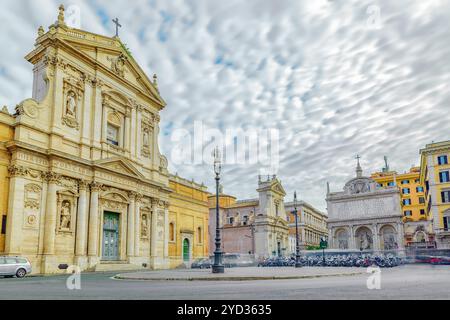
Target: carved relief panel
32	206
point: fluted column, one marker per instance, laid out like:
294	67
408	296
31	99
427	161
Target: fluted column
154	235
93	220
137	228
131	224
50	215
82	220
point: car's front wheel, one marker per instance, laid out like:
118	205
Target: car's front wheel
21	273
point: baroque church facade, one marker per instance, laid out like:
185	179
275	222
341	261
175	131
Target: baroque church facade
87	183
255	226
365	216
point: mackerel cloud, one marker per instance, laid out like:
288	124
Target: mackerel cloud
336	78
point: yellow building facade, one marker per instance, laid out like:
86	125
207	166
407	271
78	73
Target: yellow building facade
188	221
83	180
418	229
6	134
411	191
435	176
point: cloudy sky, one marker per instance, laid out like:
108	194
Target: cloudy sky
336	78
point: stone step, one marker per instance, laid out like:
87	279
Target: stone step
117	266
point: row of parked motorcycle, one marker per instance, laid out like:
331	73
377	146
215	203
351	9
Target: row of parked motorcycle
352	260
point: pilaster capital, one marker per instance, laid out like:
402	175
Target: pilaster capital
51	177
83	185
17	171
154	202
132	195
95	186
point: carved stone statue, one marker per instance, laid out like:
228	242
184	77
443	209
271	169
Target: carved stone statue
118	65
144	226
71	104
146	140
65	215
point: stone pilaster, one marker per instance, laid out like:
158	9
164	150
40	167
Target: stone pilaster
81	236
137	228
94	223
51	214
131	225
153	233
166	230
13	239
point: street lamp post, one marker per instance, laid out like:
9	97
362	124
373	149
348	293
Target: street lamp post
217	267
297	242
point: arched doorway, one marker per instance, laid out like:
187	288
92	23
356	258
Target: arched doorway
364	239
186	250
388	238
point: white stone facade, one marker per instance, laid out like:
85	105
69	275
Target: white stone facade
365	217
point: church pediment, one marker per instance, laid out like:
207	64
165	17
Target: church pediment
120	166
100	51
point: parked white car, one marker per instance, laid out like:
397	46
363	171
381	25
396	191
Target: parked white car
14	266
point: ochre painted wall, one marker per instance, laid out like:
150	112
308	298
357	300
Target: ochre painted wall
6	134
188	216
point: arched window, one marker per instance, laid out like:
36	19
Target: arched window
199	234
171	232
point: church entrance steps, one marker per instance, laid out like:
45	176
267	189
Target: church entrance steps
117	266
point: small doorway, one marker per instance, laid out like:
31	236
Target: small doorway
110	247
186	250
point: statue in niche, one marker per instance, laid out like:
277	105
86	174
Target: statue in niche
65	216
146	139
365	241
71	104
144	226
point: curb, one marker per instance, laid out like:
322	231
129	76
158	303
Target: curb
249	278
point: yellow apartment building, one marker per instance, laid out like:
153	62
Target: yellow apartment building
417	223
435	176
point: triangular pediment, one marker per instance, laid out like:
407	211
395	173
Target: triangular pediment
108	53
119	165
277	187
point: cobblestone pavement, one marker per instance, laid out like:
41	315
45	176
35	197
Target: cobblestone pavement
420	282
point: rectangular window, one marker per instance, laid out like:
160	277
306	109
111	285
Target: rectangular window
406	202
406	191
446	223
230	220
444	176
421	200
405	181
3	225
391	184
419	189
408	213
113	135
422	212
445	196
442	160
